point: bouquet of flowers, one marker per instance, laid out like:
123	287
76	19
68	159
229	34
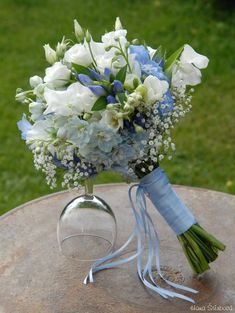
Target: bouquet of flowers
111	106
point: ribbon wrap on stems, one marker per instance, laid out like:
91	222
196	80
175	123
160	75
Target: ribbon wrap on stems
157	187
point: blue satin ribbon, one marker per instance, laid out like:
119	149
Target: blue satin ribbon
146	230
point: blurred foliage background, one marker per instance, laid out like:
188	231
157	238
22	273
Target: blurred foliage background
205	139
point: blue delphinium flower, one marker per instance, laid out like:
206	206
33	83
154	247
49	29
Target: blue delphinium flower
148	66
24	126
104	138
78	131
167	104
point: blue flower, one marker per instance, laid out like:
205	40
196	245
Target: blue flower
167	104
24	126
97	90
104	138
111	99
117	87
148	66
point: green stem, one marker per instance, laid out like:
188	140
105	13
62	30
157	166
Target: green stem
204	234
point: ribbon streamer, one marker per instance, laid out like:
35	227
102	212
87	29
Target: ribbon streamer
145	229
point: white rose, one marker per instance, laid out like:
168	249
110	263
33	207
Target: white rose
57	75
74	100
156	88
187	70
34	81
78	54
112	38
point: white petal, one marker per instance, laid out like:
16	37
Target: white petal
189	55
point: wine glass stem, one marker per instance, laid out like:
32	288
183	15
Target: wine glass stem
88	187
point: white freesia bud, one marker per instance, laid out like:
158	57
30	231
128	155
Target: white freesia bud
118	24
34	81
79	33
50	54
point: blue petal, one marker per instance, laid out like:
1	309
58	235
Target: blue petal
107	73
97	90
85	79
94	74
161	63
141	54
129	126
111	99
24	126
117	87
168	101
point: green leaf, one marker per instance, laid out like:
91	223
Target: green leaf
100	104
172	58
80	69
121	75
122	98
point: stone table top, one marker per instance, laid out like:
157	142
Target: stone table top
36	278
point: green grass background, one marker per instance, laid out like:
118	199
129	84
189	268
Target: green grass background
205	139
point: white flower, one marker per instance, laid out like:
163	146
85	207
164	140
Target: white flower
58	75
40	131
112	38
151	51
34	81
74	100
111	119
50	54
156	88
187	70
78	54
35	108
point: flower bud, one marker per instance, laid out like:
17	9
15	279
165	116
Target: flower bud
88	36
61	48
141	89
79	33
138	128
50	54
118	24
86	116
34	81
135	41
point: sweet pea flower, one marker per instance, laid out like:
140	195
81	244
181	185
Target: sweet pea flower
156	88
74	100
78	54
187	70
57	75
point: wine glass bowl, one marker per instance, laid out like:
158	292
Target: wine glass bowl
86	228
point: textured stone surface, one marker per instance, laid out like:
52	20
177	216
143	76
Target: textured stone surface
36	278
